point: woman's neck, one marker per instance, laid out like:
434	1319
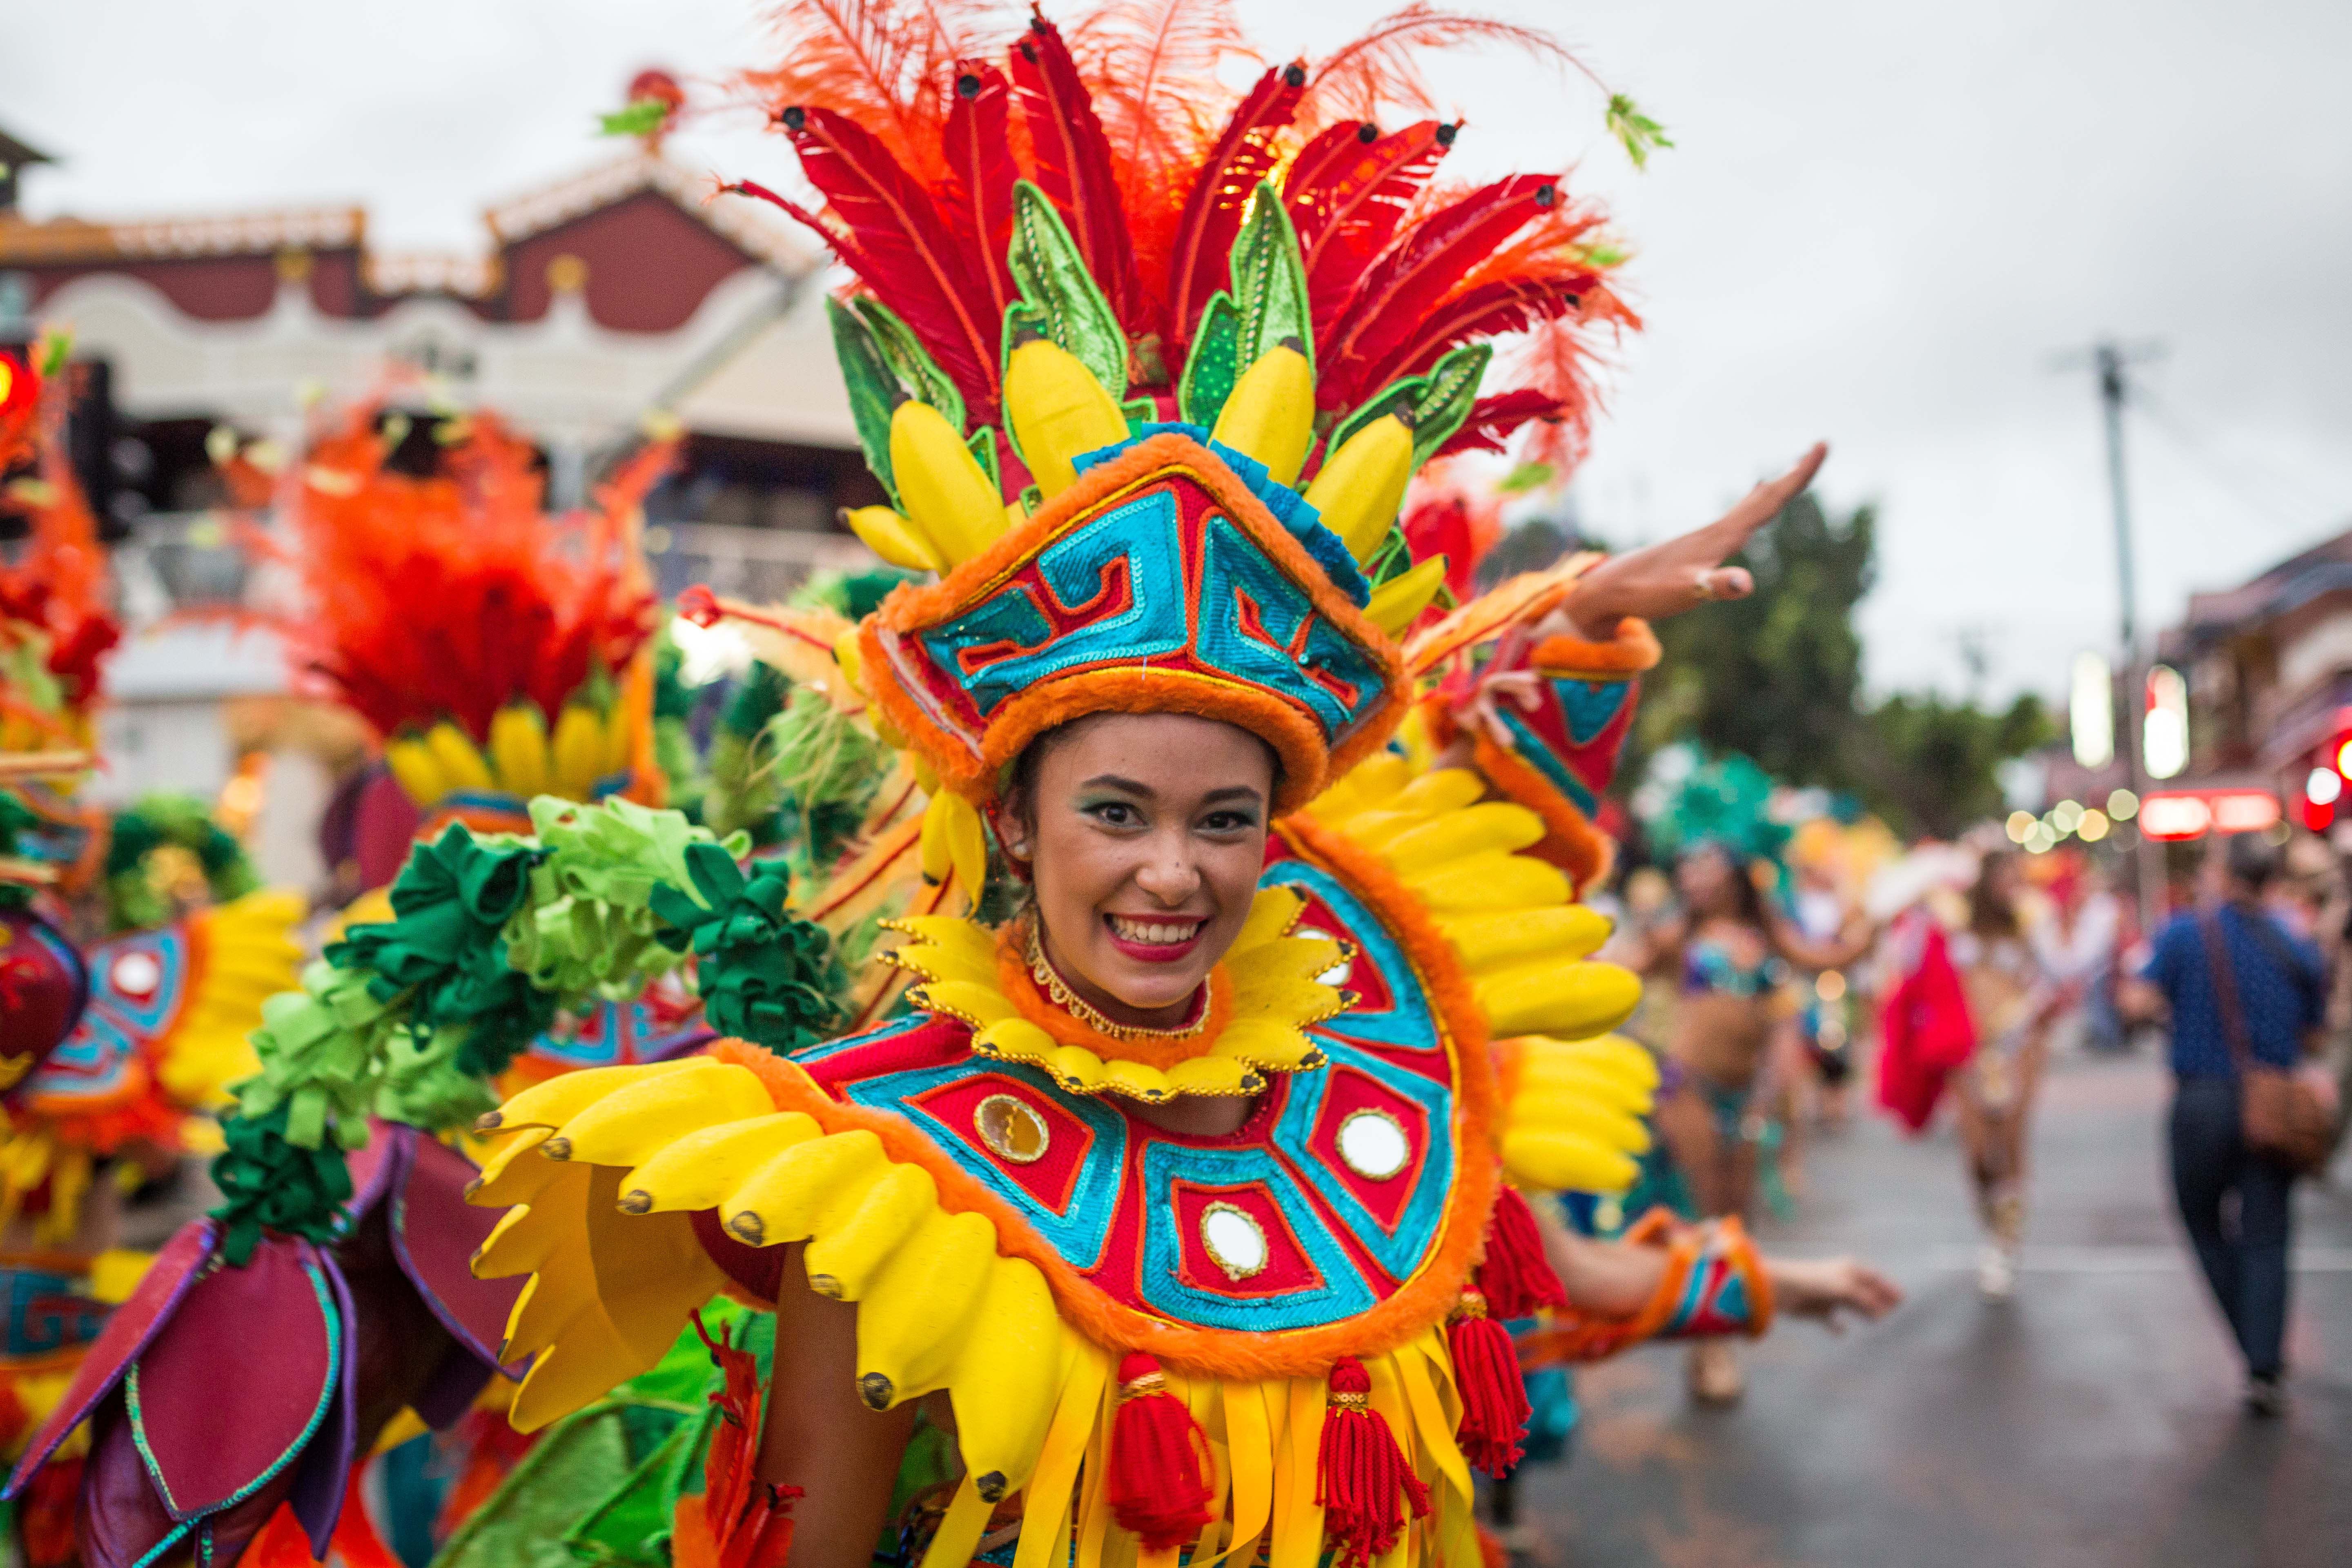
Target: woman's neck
1174	1015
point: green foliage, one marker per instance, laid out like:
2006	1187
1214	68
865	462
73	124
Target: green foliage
1636	132
1934	760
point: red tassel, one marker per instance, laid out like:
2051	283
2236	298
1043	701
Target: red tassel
1158	1459
1515	1279
1494	1408
1360	1470
749	1521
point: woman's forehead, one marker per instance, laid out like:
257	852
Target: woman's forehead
1169	754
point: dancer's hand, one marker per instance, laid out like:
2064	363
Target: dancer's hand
1827	1288
1662	579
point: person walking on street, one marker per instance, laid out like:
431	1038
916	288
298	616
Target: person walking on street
2242	994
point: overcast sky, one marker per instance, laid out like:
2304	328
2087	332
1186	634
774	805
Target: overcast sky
1882	224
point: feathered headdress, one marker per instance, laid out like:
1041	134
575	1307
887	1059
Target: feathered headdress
1145	364
56	624
496	651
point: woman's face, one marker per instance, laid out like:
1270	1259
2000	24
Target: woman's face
1704	878
1145	834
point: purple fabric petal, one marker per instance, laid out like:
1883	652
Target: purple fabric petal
128	1331
251	1372
326	1465
434	1234
376	1167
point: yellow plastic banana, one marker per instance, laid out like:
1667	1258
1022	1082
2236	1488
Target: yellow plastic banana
1496	938
698	1170
1563	1162
519	747
782	1199
893	538
1004	1382
1571	1000
1473	830
1058	412
946	491
933	847
1360	487
633	1122
411	764
913	1318
1270	414
461	763
1605	1125
1490	882
1396	602
576	751
850	1249
559	1099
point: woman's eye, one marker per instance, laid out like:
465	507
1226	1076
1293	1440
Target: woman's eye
1229	822
1114	814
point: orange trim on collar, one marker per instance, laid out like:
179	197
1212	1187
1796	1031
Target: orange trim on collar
1013	979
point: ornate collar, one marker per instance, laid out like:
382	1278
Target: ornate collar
1260	999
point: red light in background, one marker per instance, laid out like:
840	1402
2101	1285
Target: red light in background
2318	815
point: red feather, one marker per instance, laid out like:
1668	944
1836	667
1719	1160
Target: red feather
1241	156
1417	272
1489	309
906	255
1348	211
1073	167
1383	65
1495	420
979	149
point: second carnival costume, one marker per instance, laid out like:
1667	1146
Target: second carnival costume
1283	1342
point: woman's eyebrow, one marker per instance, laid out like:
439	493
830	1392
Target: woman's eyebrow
1113	781
1234	791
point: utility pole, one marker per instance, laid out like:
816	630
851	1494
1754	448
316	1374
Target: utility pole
2111	360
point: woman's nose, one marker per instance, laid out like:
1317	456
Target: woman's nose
1167	873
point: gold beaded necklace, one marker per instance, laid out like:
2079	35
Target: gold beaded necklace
1059	991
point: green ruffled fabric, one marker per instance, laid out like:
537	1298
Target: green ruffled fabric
491	937
271	1183
763	974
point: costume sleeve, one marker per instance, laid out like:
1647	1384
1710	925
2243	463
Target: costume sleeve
631	1185
1714	1285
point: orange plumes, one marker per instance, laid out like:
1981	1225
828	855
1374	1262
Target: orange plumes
1380	68
448	596
54	595
884	63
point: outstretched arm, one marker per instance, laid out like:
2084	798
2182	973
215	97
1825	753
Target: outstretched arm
1665	579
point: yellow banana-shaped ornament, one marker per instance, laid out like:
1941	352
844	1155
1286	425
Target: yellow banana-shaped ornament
947	493
893	538
1270	414
1360	487
699	1169
850	1249
577	752
519	747
1492	940
783	1200
1571	1000
912	1319
413	766
620	732
1007	1378
1396	602
461	761
1563	1162
1058	412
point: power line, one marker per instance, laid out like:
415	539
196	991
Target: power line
2215	470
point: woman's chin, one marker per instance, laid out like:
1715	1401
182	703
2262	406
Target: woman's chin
1151	991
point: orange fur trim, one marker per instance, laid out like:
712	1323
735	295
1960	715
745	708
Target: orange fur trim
1522	600
1634	649
1013	979
1423	1302
1570	841
1308	761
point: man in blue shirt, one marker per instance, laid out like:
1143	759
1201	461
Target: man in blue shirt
2280	984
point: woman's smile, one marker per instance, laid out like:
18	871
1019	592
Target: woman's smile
1155	938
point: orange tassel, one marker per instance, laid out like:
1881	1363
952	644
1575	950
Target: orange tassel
1494	1408
1360	1472
1158	1459
747	1522
1515	1279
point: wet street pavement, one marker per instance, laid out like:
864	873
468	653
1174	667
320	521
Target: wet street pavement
2092	1422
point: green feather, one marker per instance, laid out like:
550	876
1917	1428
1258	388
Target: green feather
912	367
1269	278
874	388
1214	362
1067	303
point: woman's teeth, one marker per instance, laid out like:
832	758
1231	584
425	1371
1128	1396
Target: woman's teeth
1158	934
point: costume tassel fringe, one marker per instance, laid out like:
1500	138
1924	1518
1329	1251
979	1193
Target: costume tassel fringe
1495	1409
1360	1472
743	1521
1515	1279
1158	1460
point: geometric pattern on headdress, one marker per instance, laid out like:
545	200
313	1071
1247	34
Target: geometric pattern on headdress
1159	582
